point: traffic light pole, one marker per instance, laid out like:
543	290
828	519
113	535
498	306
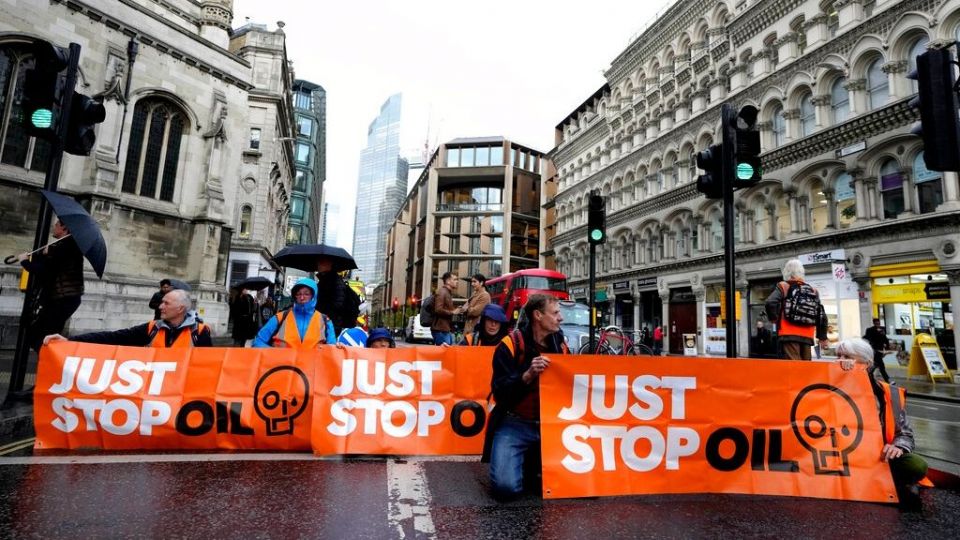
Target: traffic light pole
593	283
18	370
728	116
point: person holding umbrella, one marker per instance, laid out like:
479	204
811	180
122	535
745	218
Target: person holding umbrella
300	327
335	298
58	269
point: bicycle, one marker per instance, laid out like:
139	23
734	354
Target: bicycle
613	341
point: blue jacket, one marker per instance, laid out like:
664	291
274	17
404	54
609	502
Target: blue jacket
302	313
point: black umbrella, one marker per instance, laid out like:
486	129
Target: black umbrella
177	284
305	257
253	283
83	228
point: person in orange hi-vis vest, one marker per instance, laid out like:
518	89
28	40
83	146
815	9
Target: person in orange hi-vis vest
299	327
907	468
178	326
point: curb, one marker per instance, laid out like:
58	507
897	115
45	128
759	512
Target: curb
944	479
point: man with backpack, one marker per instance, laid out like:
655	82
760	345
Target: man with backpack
795	306
512	441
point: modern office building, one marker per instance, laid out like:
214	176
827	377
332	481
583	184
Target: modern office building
330	228
310	162
475	209
381	187
844	187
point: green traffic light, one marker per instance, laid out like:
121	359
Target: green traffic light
744	171
42	118
596	234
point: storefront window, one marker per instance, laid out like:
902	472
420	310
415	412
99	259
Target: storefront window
911	304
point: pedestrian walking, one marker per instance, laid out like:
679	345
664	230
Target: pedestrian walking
876	336
512	440
658	340
475	305
246	318
795	306
443	310
58	271
907	468
760	343
177	327
299	327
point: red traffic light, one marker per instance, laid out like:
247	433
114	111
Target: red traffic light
396	304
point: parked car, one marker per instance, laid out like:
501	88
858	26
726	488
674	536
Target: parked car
417	332
575	325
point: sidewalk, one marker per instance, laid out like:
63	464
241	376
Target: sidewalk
923	387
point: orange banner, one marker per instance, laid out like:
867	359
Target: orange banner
412	401
618	426
423	400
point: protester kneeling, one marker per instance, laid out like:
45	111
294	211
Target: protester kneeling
898	443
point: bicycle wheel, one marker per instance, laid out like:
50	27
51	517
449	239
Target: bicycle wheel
639	349
590	348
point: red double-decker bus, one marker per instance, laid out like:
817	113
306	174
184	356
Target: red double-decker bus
512	290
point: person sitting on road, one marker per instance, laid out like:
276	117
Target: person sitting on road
898	443
177	327
380	338
307	329
512	441
490	329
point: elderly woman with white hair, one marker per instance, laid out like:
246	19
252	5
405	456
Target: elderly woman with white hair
795	306
907	467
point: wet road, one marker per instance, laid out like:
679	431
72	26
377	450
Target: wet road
298	496
936	427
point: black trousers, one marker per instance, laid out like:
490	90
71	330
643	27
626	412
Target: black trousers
878	363
53	316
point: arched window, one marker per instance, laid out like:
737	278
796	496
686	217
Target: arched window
891	186
840	101
246	221
154	151
919	47
807	115
846	199
878	86
779	127
818	207
16	147
929	185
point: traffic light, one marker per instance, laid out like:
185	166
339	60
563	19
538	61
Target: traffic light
711	182
396	305
596	220
85	113
42	87
936	98
747	170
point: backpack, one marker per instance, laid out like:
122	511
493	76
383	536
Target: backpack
426	311
801	304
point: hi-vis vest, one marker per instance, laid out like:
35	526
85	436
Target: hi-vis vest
158	336
894	398
287	334
787	328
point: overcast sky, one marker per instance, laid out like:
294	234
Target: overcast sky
513	68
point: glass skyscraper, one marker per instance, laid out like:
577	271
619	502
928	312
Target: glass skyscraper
381	189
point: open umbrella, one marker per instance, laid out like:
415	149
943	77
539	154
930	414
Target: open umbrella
83	228
305	257
255	283
177	284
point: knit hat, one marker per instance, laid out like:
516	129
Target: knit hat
380	333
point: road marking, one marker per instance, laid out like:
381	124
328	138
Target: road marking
16	446
924	407
191	458
409	499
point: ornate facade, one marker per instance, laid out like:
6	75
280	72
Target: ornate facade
163	177
844	185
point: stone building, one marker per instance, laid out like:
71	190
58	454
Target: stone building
163	177
264	193
844	183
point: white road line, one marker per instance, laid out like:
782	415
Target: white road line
196	458
925	407
409	499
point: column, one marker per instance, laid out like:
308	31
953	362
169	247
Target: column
794	216
949	192
772	220
803	213
954	278
743	326
908	193
636	312
860	191
873	199
791	117
821	107
858	99
665	319
833	218
897	83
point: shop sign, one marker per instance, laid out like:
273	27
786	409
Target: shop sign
600	296
851	149
902	293
715	341
647	282
823	256
682	295
621	286
578	292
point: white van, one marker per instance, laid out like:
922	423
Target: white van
416	332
